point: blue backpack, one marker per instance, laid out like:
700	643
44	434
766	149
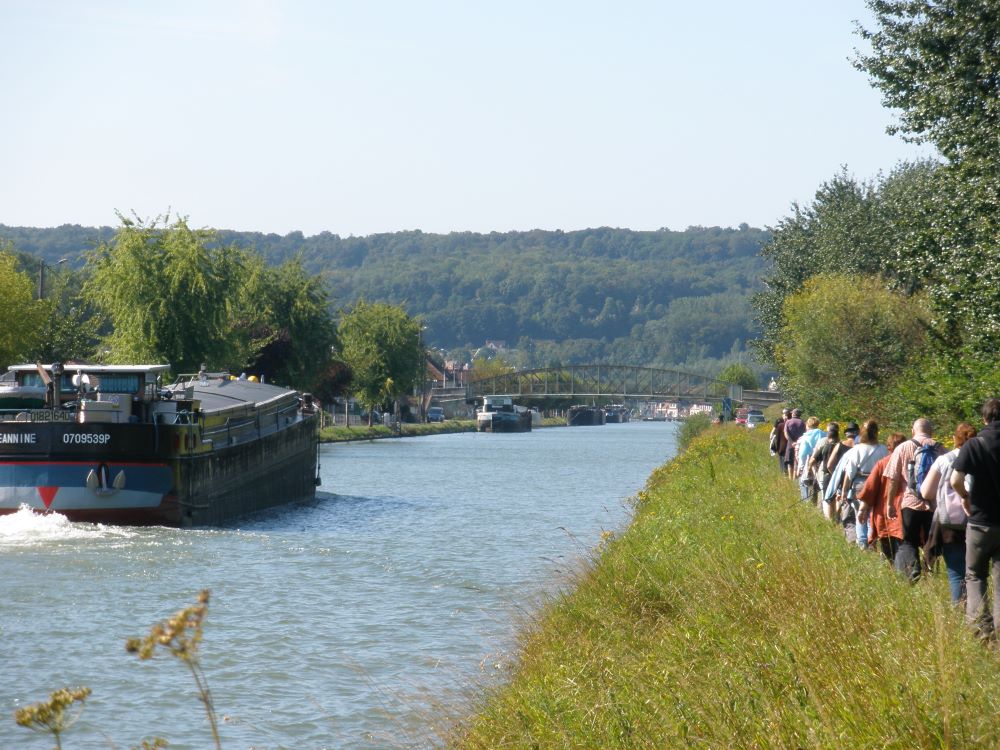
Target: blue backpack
918	469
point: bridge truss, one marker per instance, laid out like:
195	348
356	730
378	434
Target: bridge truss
604	381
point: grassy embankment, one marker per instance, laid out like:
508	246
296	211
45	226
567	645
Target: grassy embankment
730	615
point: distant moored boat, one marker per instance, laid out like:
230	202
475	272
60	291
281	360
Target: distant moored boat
501	414
582	415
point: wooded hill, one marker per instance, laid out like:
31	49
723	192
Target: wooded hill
662	297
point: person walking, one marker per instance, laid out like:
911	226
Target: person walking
831	495
875	502
818	457
794	429
807	444
856	466
980	458
950	518
782	441
905	469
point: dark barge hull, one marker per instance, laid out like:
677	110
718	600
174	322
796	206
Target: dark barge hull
276	469
585	416
503	422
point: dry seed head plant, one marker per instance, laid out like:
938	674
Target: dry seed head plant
181	636
50	716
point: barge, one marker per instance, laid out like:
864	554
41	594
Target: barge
617	414
111	444
501	414
582	415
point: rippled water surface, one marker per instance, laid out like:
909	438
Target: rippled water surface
358	620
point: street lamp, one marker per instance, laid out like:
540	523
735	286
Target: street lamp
42	265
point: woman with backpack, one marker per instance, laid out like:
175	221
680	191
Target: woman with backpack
856	466
948	527
825	463
885	525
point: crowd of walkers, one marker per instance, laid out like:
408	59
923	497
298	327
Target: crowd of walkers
909	499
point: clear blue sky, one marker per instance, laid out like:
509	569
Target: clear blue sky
361	117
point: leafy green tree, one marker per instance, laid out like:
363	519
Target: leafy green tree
490	367
70	328
832	233
889	227
382	345
846	339
740	374
172	293
292	332
167	294
935	62
22	315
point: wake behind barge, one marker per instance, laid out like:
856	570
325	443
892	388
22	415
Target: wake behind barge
108	444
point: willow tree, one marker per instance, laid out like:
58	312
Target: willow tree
168	295
382	346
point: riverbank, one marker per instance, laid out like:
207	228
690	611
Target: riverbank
379	432
731	615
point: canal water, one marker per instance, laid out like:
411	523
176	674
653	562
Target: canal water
363	619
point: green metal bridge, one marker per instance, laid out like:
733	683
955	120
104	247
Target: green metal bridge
604	382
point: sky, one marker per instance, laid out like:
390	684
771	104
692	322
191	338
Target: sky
378	116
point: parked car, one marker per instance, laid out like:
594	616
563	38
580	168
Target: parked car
755	418
435	414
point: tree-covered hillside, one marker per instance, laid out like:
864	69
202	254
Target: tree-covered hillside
661	297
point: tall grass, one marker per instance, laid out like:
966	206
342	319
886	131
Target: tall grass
731	615
691	428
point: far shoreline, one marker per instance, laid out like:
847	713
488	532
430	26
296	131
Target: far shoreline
381	432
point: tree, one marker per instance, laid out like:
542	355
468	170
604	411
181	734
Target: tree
292	333
740	374
69	329
832	233
168	295
889	227
490	367
172	293
846	339
937	62
22	315
382	346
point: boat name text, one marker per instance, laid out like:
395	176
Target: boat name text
19	438
86	438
